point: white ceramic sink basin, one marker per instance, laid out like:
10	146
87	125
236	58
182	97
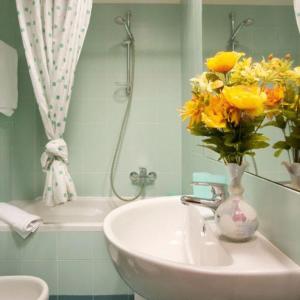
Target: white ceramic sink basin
23	288
160	248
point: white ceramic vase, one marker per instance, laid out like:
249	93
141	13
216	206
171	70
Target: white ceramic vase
294	171
235	218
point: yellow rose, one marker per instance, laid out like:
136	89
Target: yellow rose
247	98
223	61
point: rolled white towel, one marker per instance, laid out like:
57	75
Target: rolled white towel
21	221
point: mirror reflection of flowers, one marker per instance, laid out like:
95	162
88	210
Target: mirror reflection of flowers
283	105
228	106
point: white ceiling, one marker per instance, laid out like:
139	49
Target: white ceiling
224	2
139	1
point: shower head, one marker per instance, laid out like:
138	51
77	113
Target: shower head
246	22
236	29
120	20
126	23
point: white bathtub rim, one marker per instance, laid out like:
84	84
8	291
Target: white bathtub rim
73	226
78	227
22	203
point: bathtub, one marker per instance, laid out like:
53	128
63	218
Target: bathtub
83	214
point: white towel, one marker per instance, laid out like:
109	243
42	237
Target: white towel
8	79
297	12
21	221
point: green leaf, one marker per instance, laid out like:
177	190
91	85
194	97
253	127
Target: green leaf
256	141
200	131
278	152
215	149
250	153
214	76
283	145
290	115
212	140
229	140
280	122
260	145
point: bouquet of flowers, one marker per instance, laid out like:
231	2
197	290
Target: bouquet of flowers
284	105
228	106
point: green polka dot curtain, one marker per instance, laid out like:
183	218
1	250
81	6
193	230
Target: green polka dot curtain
53	33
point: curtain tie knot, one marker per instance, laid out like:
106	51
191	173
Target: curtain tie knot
55	149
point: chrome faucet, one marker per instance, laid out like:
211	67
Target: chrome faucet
218	196
143	177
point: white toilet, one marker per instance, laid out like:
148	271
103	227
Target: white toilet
23	288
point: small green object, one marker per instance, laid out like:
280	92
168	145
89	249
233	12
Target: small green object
205	191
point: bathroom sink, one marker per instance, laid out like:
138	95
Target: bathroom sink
23	288
166	251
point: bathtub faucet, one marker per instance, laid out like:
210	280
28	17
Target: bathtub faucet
143	177
218	196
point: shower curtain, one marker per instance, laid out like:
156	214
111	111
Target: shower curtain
53	32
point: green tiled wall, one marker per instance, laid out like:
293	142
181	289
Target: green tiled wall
6	127
191	65
72	263
98	106
17	133
274	30
6	124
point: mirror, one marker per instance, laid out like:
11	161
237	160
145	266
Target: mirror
258	31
